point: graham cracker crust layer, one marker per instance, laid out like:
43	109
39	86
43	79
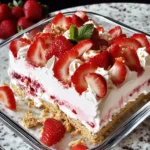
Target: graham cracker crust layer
72	124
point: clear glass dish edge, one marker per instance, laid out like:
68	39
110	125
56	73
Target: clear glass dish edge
117	135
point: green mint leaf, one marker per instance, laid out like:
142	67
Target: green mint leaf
20	3
85	32
15	3
73	33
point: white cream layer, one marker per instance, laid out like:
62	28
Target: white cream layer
88	108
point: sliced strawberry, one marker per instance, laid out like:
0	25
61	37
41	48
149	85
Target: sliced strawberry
82	15
148	50
53	132
48	28
83	46
115	52
97	83
101	60
97	42
77	20
118	72
47	37
79	147
36	53
59	45
121	36
100	29
7	97
61	21
142	39
17	44
131	59
61	68
78	78
128	42
115	32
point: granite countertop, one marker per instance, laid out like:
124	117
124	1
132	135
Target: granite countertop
135	15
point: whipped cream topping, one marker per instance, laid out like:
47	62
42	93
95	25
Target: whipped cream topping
23	51
51	62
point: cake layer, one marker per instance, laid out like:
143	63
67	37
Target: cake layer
70	102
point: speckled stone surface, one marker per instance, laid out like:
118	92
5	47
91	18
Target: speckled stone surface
135	15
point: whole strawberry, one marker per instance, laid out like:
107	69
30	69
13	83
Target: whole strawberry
53	132
32	10
24	23
17	12
5	12
7	29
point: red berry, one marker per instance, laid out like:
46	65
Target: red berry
77	20
17	12
132	59
5	12
101	60
7	97
118	72
59	45
7	29
32	10
15	45
61	68
24	22
97	83
82	15
78	78
53	132
115	32
79	147
36	53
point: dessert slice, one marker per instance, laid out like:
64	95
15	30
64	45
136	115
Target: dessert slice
80	72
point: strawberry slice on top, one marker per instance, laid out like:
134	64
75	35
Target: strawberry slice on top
142	39
78	78
97	83
115	52
15	45
115	32
128	42
77	21
132	59
7	97
36	53
101	60
118	72
61	21
61	67
59	45
79	147
82	15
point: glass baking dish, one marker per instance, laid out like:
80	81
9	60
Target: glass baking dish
13	119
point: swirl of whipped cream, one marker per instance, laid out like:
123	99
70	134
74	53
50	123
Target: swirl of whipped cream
51	62
143	56
23	51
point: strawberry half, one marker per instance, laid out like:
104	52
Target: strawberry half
59	45
97	83
115	52
36	53
118	72
47	37
115	32
7	97
83	46
128	42
61	21
77	21
78	78
142	39
79	147
61	67
82	15
101	60
53	132
17	44
131	59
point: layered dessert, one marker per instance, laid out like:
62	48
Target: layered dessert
82	73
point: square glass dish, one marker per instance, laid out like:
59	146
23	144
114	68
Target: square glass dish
14	119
